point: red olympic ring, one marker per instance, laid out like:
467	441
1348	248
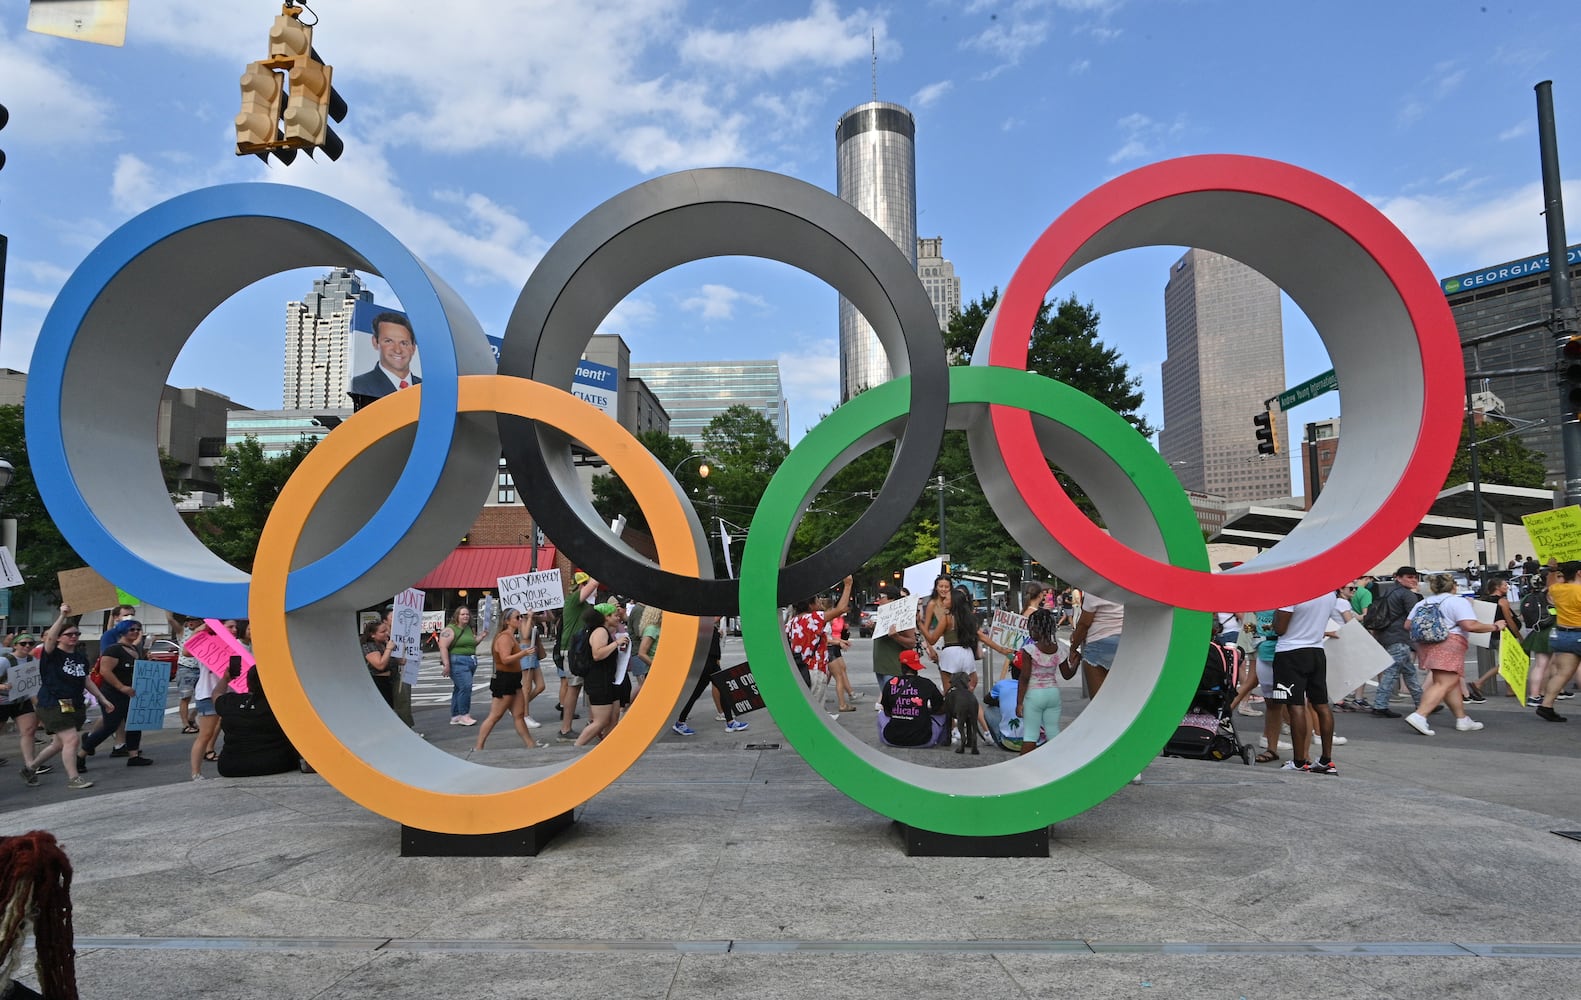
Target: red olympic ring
1133	208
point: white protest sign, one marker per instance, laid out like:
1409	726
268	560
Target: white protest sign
406	628
1008	629
902	614
1354	657
1486	612
10	576
919	578
532	591
24	681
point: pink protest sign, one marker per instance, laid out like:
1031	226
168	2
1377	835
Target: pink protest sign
215	648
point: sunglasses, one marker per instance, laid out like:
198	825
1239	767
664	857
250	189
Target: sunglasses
69	635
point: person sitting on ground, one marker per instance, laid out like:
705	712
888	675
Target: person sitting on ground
913	707
254	742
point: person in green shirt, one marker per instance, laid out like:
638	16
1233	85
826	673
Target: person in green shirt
583	589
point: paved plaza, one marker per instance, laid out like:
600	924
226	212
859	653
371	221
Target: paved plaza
721	865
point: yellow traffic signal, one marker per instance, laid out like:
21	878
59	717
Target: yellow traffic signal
311	103
290	87
1267	436
257	124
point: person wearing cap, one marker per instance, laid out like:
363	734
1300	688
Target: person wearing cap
577	600
19	652
1389	620
912	707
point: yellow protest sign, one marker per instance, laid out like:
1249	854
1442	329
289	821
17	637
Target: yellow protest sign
1555	534
1513	664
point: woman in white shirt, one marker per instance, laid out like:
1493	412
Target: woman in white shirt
1446	660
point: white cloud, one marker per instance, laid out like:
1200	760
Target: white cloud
134	186
811	380
1459	233
718	302
822	38
1144	137
48	106
1516	131
931	93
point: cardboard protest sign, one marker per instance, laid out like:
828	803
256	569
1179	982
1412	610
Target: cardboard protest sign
1555	534
919	578
150	691
902	614
24	680
738	687
532	591
1008	629
406	628
85	590
1354	657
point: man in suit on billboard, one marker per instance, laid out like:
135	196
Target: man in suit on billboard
397	345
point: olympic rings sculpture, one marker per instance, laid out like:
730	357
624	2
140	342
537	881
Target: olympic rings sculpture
379	501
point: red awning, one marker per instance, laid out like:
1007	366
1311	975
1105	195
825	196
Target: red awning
479	567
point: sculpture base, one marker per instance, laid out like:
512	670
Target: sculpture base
523	843
927	844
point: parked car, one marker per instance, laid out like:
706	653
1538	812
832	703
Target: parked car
165	651
866	621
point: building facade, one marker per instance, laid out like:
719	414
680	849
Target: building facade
695	392
1319	446
1225	356
318	342
1511	296
876	171
938	277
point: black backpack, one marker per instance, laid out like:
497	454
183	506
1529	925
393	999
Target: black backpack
1534	610
581	659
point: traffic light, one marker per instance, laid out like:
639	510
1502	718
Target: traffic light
1570	374
287	100
5	116
310	99
1267	437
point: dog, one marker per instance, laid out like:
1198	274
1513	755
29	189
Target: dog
961	705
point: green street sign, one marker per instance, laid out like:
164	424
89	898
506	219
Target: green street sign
1310	389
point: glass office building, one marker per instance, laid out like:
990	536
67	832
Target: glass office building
876	171
695	392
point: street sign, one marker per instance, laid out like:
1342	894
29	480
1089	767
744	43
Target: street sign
1310	389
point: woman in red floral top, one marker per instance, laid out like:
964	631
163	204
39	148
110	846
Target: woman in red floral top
805	632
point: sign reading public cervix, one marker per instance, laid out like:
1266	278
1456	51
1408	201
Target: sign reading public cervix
353	526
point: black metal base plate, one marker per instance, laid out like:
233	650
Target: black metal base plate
927	844
1572	834
523	843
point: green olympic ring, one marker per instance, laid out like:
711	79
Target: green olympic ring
1156	669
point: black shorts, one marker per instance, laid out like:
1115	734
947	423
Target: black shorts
1301	677
599	684
503	685
16	709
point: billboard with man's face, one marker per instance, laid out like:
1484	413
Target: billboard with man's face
384	356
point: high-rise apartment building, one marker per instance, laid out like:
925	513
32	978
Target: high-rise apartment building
938	277
318	342
1225	355
876	171
695	392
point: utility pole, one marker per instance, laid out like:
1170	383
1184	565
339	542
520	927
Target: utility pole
1562	319
943	550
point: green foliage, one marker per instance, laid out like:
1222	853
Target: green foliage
249	482
1506	461
611	496
41	550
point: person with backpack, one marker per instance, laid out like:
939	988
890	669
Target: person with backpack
1495	589
1439	625
1564	592
1537	614
1387	618
594	652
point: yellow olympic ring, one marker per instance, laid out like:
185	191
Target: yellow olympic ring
386	768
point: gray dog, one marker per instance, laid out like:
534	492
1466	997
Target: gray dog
961	704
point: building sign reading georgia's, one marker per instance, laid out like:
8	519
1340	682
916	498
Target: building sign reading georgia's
1504	272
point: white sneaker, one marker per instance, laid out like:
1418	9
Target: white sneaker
455	720
1262	744
1339	741
1418	723
532	723
1466	724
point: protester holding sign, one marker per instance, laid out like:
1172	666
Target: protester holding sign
378	654
16	699
63	681
117	663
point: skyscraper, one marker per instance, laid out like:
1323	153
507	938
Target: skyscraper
1225	355
876	171
318	342
938	277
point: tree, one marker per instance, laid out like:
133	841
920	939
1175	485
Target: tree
745	451
250	482
612	497
42	552
1506	461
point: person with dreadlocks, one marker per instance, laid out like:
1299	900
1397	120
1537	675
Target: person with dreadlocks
1037	686
35	888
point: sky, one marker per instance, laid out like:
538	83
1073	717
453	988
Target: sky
479	132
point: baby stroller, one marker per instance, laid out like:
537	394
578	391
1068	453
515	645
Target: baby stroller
1208	730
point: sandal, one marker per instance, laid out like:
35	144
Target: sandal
211	756
1267	757
189	728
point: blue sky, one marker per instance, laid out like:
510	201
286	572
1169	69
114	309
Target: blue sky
481	131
